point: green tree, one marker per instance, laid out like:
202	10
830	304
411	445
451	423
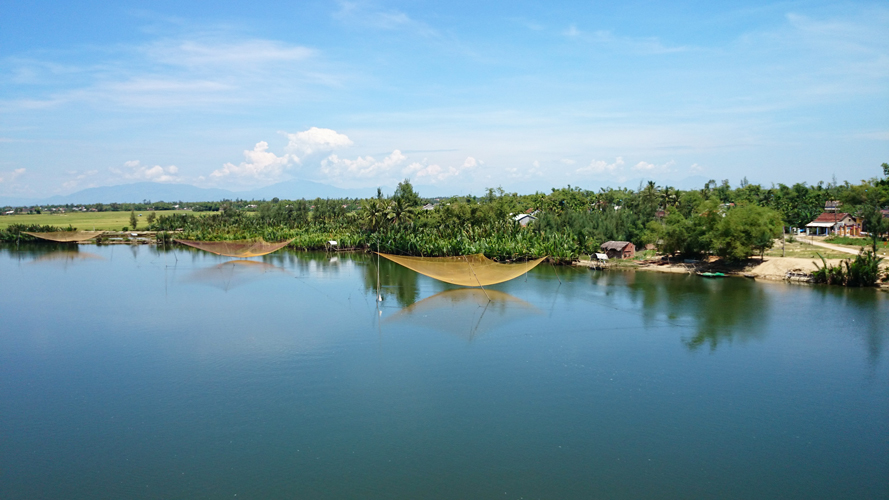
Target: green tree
746	229
151	218
406	195
133	220
399	212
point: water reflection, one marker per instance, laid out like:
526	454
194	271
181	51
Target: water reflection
863	310
65	257
233	273
722	310
49	253
395	281
465	312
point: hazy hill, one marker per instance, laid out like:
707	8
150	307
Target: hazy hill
136	192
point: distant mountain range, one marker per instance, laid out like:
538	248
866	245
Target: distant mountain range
288	190
135	193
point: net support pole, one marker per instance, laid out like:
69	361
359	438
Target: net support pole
557	272
476	279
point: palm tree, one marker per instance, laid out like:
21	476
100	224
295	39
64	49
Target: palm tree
373	214
398	212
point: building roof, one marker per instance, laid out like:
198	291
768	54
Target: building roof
831	217
614	245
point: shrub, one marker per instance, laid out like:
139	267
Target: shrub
863	271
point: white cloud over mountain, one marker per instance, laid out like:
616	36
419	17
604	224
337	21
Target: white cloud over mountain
260	165
424	172
134	170
316	139
337	169
601	166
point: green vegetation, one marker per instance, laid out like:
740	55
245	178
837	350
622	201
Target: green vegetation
733	223
87	221
863	271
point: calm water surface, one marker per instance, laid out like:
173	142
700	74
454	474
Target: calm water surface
126	372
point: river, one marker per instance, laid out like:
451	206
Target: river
132	372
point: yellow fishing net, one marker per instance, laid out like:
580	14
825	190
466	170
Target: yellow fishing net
240	249
465	270
66	236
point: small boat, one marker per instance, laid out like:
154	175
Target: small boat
712	275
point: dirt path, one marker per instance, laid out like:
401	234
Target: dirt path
837	248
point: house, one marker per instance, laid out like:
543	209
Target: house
524	219
837	223
429	206
619	249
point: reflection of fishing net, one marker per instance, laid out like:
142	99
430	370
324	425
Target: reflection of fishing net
234	273
66	236
239	249
466	270
464	312
67	256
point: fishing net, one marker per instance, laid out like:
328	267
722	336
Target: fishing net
66	236
240	249
465	270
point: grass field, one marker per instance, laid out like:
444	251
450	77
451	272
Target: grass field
804	250
85	221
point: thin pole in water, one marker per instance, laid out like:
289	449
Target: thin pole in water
557	272
476	278
379	296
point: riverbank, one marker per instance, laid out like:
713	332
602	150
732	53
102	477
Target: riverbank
767	269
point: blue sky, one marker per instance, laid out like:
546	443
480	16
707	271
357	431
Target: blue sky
456	96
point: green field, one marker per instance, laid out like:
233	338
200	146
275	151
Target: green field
86	221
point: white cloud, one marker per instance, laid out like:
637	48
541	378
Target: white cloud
11	176
601	166
640	45
335	167
365	15
259	165
78	177
134	170
424	172
567	161
695	168
242	53
644	166
317	139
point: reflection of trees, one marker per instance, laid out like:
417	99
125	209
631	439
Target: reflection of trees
36	250
51	253
723	310
308	263
395	280
867	308
465	312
